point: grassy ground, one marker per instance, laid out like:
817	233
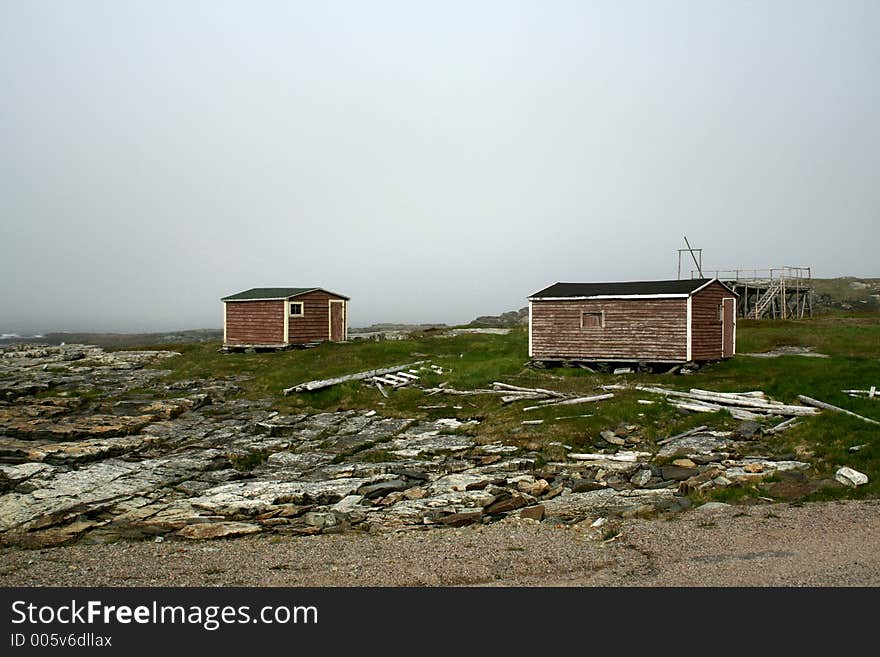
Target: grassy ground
473	361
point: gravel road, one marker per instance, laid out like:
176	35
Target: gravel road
821	544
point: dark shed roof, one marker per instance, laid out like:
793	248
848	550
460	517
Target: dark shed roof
273	293
627	288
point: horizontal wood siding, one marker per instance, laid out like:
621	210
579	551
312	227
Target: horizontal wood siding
705	322
634	329
314	325
254	322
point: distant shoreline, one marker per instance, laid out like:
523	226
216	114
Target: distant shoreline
116	339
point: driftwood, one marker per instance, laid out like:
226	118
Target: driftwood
542	391
452	391
684	434
566	402
521	397
748	403
831	407
870	394
782	426
326	383
705	407
759	394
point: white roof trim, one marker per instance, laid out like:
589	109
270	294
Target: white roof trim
613	296
705	285
679	295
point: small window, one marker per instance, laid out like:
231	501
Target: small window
296	309
721	313
592	320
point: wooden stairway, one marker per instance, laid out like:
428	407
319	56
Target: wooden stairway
767	298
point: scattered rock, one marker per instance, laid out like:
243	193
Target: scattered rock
383	488
533	512
506	504
748	429
612	438
218	530
712	507
676	473
849	477
463	518
641	478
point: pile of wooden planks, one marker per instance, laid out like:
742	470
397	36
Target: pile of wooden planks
751	405
510	393
543	396
397	379
359	376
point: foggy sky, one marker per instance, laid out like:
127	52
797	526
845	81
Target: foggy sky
435	161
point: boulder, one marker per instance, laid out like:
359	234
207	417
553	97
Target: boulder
675	473
533	512
462	518
641	478
383	488
712	507
507	504
612	438
849	477
208	530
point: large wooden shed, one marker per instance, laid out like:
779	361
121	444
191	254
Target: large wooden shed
275	317
676	321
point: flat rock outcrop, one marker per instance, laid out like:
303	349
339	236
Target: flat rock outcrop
86	455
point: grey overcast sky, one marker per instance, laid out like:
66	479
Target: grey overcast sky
433	160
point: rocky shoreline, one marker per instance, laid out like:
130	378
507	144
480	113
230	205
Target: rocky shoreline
94	447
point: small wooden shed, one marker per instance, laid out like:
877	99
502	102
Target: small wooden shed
275	317
676	321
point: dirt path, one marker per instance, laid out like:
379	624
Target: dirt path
830	544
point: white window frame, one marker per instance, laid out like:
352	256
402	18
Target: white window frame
302	309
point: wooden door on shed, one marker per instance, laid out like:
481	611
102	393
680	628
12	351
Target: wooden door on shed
728	327
337	320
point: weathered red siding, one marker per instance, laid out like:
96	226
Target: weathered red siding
314	325
706	323
634	329
254	322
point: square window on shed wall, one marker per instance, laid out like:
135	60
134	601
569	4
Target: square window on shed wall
296	309
592	320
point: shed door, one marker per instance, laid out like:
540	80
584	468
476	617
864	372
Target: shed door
728	327
337	320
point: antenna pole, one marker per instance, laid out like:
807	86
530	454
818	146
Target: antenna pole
699	268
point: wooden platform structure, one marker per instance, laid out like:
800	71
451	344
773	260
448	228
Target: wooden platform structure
774	293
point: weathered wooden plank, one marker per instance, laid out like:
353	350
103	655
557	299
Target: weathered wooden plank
326	383
831	407
567	402
507	386
683	434
748	403
782	426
